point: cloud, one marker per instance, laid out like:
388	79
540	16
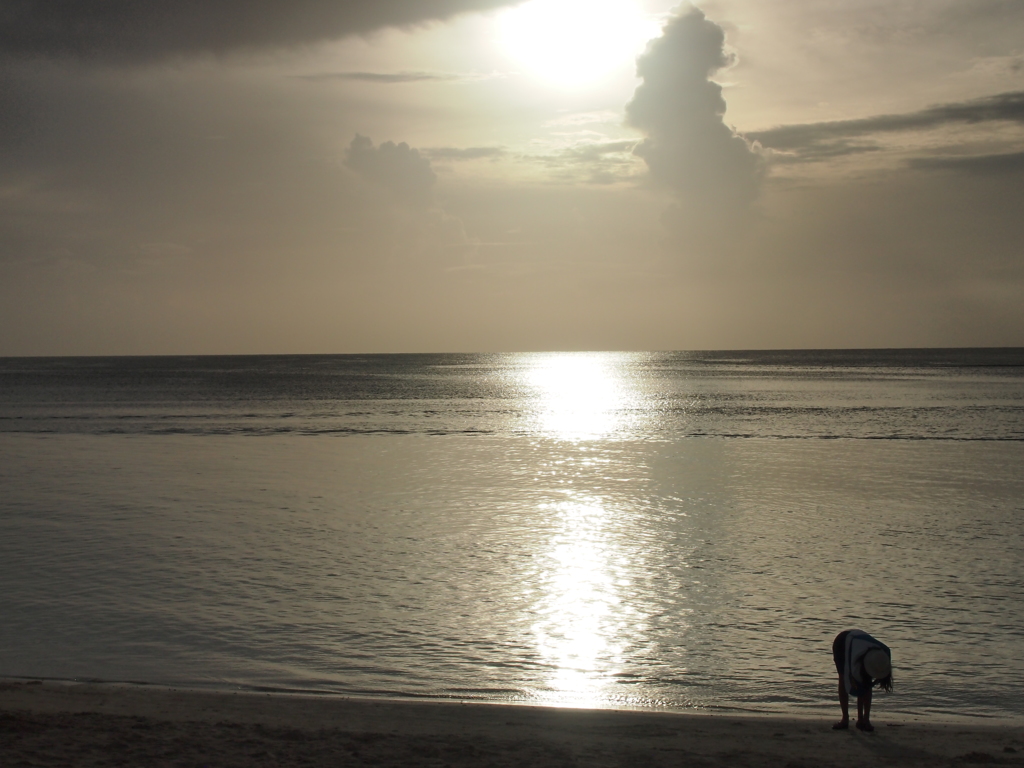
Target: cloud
388	78
585	118
598	150
401	170
595	162
979	165
416	232
688	147
955	16
154	29
595	159
467	153
991	67
814	141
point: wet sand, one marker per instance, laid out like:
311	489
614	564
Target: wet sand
50	724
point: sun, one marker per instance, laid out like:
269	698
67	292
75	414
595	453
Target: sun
575	43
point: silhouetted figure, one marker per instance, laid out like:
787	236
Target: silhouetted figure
862	663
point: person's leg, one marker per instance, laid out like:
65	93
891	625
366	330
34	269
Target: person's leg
844	705
838	656
864	712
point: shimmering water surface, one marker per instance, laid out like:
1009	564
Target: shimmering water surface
668	530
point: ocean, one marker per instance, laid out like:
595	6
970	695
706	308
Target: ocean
672	531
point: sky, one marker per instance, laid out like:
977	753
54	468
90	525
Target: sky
337	176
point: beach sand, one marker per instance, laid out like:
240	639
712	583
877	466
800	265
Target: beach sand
50	724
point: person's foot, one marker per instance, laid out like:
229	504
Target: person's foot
864	725
842	725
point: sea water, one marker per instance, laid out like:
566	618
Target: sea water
660	530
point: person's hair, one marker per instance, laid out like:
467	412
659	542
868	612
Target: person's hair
885	683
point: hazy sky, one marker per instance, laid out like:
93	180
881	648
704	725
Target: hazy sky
476	175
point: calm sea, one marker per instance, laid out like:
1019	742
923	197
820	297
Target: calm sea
659	530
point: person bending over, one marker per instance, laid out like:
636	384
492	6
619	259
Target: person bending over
862	663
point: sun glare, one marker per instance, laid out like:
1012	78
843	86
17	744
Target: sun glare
579	395
573	43
582	618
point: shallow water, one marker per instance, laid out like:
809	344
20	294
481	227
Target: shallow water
565	529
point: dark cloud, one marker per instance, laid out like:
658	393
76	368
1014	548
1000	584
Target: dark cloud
689	148
401	170
154	29
826	150
981	165
814	141
381	77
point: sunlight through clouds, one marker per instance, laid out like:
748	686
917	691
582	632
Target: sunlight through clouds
495	175
574	43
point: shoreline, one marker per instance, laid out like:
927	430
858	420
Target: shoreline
100	724
825	713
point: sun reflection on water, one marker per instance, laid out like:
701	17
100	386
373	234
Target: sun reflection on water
583	621
586	621
580	396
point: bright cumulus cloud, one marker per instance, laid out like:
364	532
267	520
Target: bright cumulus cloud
573	43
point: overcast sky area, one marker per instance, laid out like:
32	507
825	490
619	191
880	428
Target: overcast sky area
340	176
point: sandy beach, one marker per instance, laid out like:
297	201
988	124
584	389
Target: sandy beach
44	724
